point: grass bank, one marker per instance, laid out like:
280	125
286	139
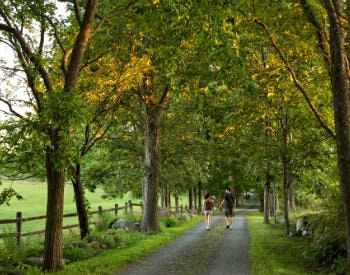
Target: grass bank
274	254
139	245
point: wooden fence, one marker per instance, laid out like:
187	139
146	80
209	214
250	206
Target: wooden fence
19	220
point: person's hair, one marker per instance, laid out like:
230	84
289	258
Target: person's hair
228	189
207	195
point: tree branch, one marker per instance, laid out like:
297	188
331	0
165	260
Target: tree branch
29	75
321	33
296	80
9	105
80	45
91	61
98	138
78	16
165	95
28	52
42	39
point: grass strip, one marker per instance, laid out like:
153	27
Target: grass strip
272	253
140	245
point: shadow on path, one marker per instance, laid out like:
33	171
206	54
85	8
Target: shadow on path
218	251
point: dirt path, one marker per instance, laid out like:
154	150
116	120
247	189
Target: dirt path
216	252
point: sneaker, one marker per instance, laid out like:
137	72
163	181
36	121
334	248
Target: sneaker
231	227
208	228
227	226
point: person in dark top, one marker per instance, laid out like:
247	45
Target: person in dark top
208	204
229	202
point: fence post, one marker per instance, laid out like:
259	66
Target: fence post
181	208
18	227
141	207
130	205
100	212
116	209
126	208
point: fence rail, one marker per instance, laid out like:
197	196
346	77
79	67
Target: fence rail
127	207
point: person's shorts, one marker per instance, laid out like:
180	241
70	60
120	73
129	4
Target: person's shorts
207	212
229	212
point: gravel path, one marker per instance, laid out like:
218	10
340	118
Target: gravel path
216	252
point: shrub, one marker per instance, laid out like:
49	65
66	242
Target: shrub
102	223
328	240
182	217
133	217
112	239
78	253
340	266
169	221
326	251
13	257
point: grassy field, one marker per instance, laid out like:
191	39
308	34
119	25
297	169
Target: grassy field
274	254
34	203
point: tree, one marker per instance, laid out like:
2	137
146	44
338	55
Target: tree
54	120
341	95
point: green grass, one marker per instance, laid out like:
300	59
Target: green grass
274	254
140	245
34	203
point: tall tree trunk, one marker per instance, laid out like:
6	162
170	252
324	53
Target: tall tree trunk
80	202
150	222
54	165
261	200
285	195
199	196
272	202
291	196
195	197
177	202
54	211
190	198
169	197
267	190
341	98
267	187
276	204
163	194
267	204
166	194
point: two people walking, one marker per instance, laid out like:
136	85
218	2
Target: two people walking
228	202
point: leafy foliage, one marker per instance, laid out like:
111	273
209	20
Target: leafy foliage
7	194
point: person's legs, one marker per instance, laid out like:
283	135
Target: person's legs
206	219
208	226
231	218
227	218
